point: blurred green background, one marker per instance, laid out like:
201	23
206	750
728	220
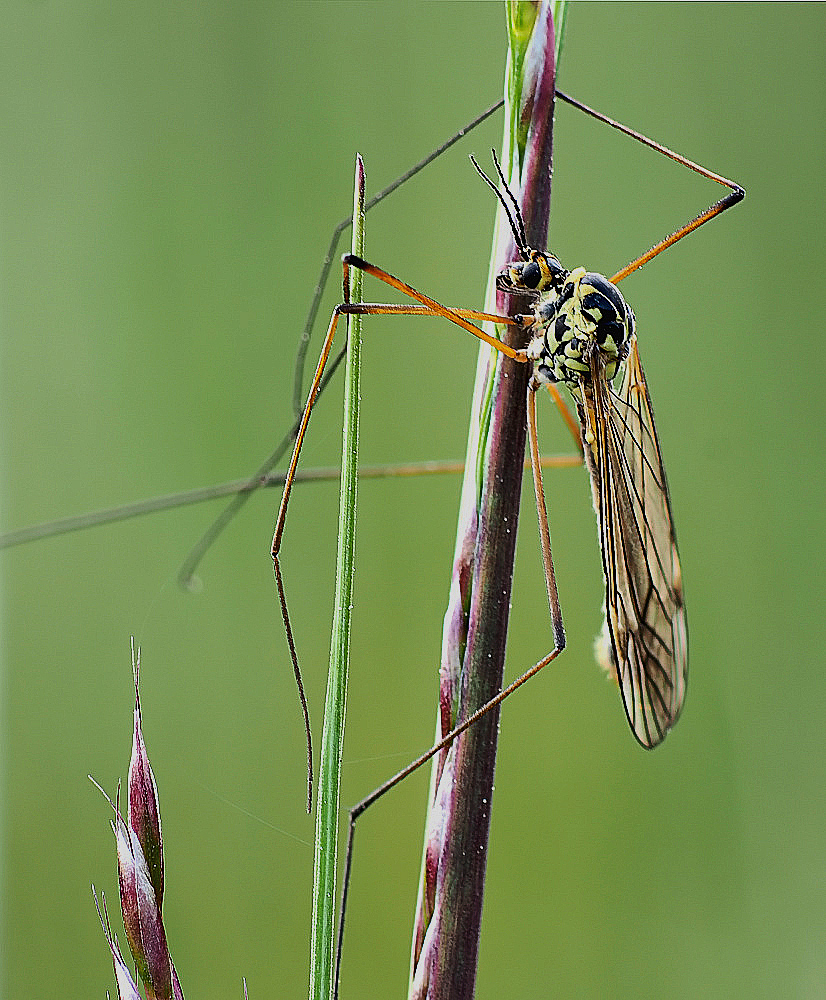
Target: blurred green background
170	177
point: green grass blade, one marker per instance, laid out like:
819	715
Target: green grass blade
326	839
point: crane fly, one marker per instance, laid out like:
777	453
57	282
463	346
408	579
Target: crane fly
645	635
581	333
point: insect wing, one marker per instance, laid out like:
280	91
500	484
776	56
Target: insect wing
645	639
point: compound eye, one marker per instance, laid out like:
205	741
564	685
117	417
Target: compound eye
531	275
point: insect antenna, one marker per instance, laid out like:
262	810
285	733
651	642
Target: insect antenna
523	245
511	210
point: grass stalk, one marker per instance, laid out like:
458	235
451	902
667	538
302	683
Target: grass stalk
327	808
449	911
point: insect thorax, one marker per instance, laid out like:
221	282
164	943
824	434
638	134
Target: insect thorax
583	314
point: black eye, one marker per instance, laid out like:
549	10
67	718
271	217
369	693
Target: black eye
531	275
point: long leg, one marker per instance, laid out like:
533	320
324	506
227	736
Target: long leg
298	377
735	195
427	307
559	645
570	421
434	308
397	778
542	514
124	512
187	571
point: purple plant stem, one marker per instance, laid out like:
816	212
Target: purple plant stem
449	910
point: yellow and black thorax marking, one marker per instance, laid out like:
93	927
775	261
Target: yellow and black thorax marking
582	314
